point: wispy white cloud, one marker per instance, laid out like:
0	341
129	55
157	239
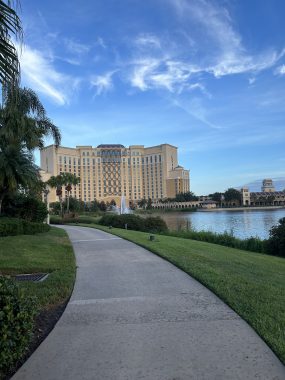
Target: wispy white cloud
102	83
75	47
101	43
195	109
39	73
280	70
228	54
147	40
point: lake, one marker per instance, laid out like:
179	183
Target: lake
243	224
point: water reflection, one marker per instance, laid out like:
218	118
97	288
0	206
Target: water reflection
243	224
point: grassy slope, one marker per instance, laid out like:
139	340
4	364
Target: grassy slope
48	252
253	284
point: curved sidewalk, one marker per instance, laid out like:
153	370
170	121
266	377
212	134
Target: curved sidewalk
133	315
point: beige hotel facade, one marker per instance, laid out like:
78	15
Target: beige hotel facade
110	171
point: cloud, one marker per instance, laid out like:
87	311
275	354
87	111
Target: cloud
226	53
280	70
195	109
101	43
146	40
103	83
39	73
75	47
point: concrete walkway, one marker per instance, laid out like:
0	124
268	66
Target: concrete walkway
135	316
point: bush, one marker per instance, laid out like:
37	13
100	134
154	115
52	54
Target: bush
14	226
226	239
134	222
276	242
17	314
26	207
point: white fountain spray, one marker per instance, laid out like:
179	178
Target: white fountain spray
124	209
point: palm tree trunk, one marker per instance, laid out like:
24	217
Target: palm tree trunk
67	202
61	208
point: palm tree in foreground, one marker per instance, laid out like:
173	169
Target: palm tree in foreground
10	26
23	119
17	168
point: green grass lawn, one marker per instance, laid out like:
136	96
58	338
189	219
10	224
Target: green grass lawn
253	284
49	252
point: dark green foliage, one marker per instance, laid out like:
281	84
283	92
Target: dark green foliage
26	207
232	195
155	224
226	239
14	226
17	314
70	219
134	222
276	241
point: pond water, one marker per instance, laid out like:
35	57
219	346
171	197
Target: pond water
242	224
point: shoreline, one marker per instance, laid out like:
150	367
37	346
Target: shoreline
242	208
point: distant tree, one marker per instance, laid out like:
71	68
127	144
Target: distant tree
57	183
217	197
102	206
113	203
69	179
232	195
142	203
149	204
189	196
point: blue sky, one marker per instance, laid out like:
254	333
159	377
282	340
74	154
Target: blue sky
207	76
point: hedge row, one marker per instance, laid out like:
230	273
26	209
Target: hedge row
134	222
13	226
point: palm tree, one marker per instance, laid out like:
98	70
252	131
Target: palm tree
17	168
23	119
57	183
69	179
10	25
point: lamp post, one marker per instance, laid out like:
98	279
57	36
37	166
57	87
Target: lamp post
46	193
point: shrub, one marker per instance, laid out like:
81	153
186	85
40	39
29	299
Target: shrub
276	242
26	207
14	226
227	239
17	314
134	222
155	224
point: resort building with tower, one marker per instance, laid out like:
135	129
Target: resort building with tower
109	171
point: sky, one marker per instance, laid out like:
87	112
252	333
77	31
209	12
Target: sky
206	76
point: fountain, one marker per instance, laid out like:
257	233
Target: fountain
124	209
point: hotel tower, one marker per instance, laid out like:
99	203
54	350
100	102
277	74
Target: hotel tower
111	171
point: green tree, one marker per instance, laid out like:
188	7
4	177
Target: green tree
10	27
23	119
149	204
56	182
69	179
276	241
17	168
232	195
217	197
102	206
142	203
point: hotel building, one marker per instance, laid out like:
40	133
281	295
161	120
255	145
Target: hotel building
111	171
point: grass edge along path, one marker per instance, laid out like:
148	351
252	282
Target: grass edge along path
48	252
252	284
